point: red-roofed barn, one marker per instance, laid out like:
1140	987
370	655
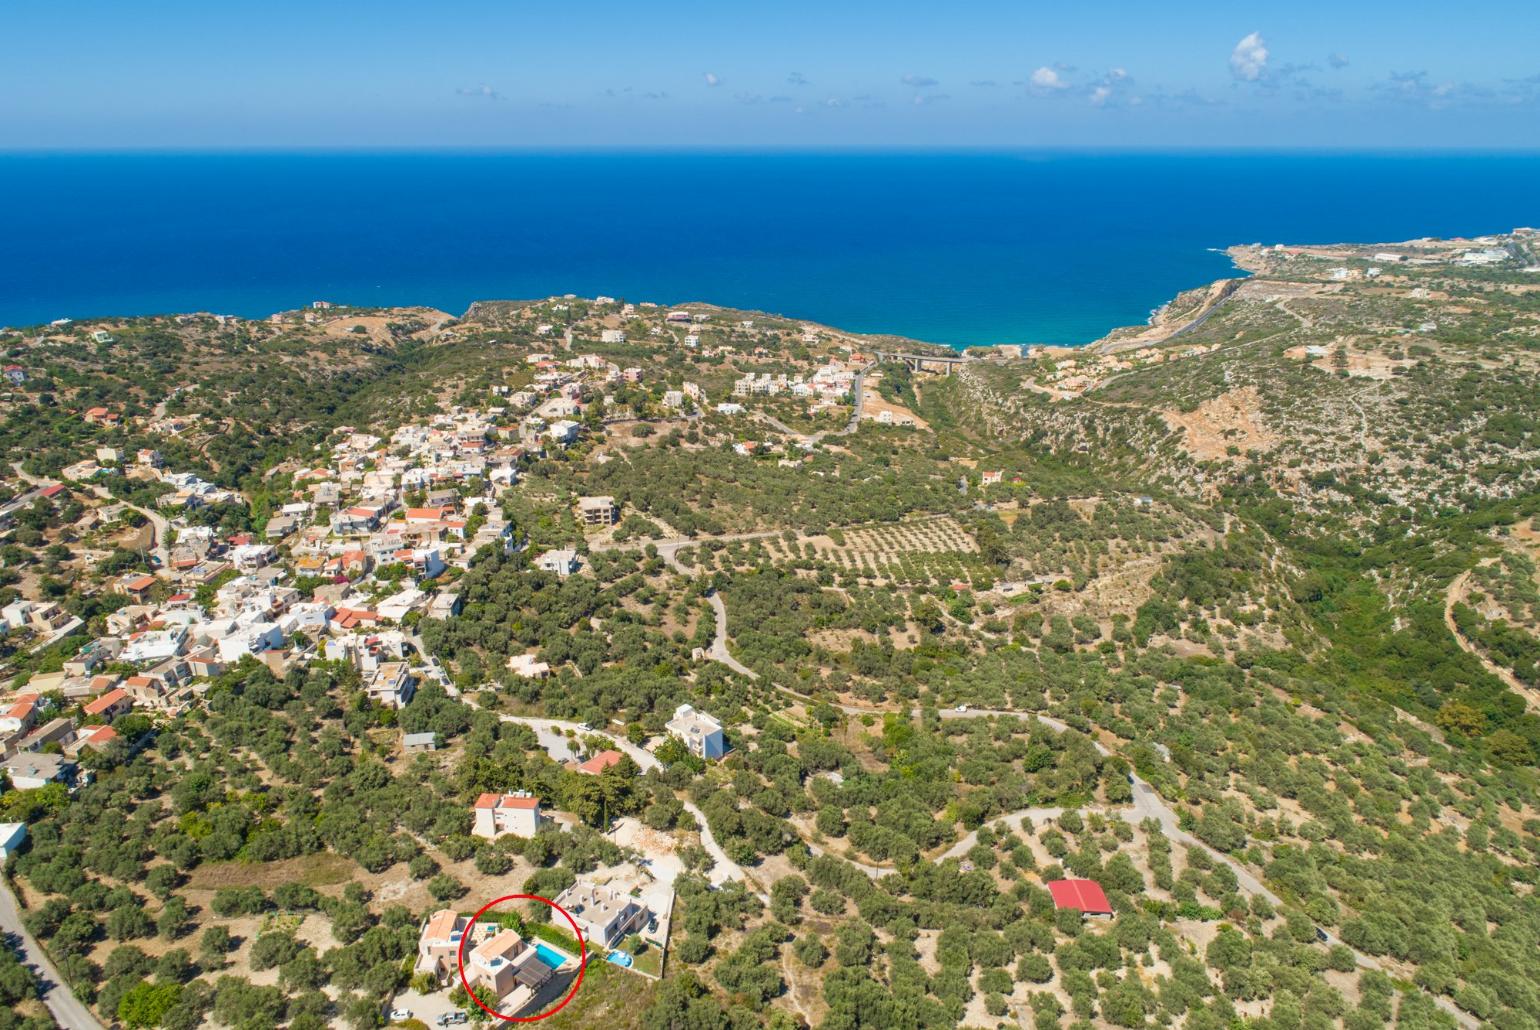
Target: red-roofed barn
1085	895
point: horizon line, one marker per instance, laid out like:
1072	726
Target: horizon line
773	148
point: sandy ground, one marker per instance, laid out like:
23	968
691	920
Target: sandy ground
1232	419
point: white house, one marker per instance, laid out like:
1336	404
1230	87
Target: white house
250	639
499	814
155	645
701	733
396	606
444	605
392	685
560	561
30	770
603	914
15	614
12	836
563	431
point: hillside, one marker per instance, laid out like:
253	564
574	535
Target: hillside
1235	613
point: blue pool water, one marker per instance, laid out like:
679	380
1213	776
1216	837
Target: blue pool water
550	957
953	247
619	958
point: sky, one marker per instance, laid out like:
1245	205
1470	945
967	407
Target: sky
176	74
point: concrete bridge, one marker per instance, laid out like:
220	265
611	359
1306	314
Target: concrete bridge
918	362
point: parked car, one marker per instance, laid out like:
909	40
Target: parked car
451	1019
400	1015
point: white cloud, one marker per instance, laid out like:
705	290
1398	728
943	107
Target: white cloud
712	80
918	81
1047	78
1248	61
1113	89
796	79
1338	60
484	91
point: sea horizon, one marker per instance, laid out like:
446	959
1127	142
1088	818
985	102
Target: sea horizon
958	246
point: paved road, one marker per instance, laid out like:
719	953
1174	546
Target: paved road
67	1010
24	500
160	529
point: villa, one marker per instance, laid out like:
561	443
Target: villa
513	969
439	942
603	914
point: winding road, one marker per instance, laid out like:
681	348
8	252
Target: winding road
1457	593
1147	802
552	734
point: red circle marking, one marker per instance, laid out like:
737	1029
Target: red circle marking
582	958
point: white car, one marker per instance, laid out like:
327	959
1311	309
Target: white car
962	708
400	1015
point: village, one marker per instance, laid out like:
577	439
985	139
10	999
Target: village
367	546
365	543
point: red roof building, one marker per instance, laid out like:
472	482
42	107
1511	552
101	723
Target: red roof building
110	704
1085	895
97	736
600	762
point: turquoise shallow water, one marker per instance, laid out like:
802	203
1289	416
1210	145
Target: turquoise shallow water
957	248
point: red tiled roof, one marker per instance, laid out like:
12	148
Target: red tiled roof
440	925
98	735
600	762
1085	895
106	701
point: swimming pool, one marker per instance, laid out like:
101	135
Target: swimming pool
619	958
550	956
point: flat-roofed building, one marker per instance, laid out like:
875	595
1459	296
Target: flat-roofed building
598	511
603	914
701	733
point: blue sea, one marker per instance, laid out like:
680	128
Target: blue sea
958	247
